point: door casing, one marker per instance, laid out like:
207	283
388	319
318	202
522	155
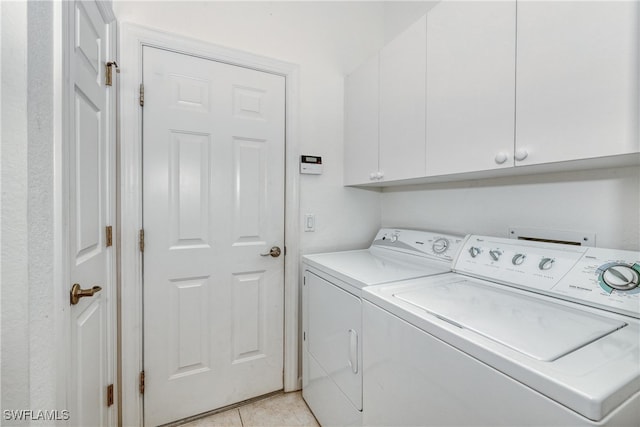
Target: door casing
131	40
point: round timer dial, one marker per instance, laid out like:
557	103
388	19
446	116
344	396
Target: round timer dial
440	246
620	277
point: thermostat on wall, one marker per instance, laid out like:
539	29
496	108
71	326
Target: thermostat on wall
311	164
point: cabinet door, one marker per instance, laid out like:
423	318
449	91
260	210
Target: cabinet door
361	124
470	86
577	80
402	104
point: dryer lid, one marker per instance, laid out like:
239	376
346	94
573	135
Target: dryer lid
363	268
541	329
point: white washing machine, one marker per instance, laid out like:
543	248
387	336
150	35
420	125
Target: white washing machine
521	333
332	312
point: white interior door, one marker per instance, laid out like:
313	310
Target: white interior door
91	209
213	203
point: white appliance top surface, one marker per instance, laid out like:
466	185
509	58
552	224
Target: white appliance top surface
363	268
585	358
394	255
538	328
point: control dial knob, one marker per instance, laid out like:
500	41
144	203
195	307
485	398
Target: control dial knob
621	277
394	238
518	259
495	254
474	251
440	246
546	263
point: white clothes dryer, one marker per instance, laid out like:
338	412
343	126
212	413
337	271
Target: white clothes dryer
332	312
521	333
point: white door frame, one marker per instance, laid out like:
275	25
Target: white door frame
132	39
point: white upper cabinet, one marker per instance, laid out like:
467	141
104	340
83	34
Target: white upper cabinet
470	98
481	88
361	124
577	80
402	104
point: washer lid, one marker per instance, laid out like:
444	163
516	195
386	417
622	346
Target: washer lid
540	329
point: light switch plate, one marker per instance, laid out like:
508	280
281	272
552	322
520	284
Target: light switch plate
309	222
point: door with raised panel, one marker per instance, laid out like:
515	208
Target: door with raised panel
213	201
578	79
91	175
470	86
402	104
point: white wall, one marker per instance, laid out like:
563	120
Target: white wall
398	15
28	334
326	39
14	383
604	201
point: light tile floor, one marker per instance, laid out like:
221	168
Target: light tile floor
283	410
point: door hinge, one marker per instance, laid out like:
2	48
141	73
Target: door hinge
108	77
141	382
141	95
110	395
109	235
141	240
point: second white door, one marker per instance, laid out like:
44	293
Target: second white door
213	185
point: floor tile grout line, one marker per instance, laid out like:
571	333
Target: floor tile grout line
294	403
240	415
231	407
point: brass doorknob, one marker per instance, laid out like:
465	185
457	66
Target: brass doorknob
77	292
274	252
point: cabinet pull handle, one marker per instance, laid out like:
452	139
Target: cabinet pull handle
501	157
521	154
353	350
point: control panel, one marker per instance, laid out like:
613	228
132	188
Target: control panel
603	278
418	242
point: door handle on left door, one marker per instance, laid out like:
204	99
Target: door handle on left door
274	252
77	292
